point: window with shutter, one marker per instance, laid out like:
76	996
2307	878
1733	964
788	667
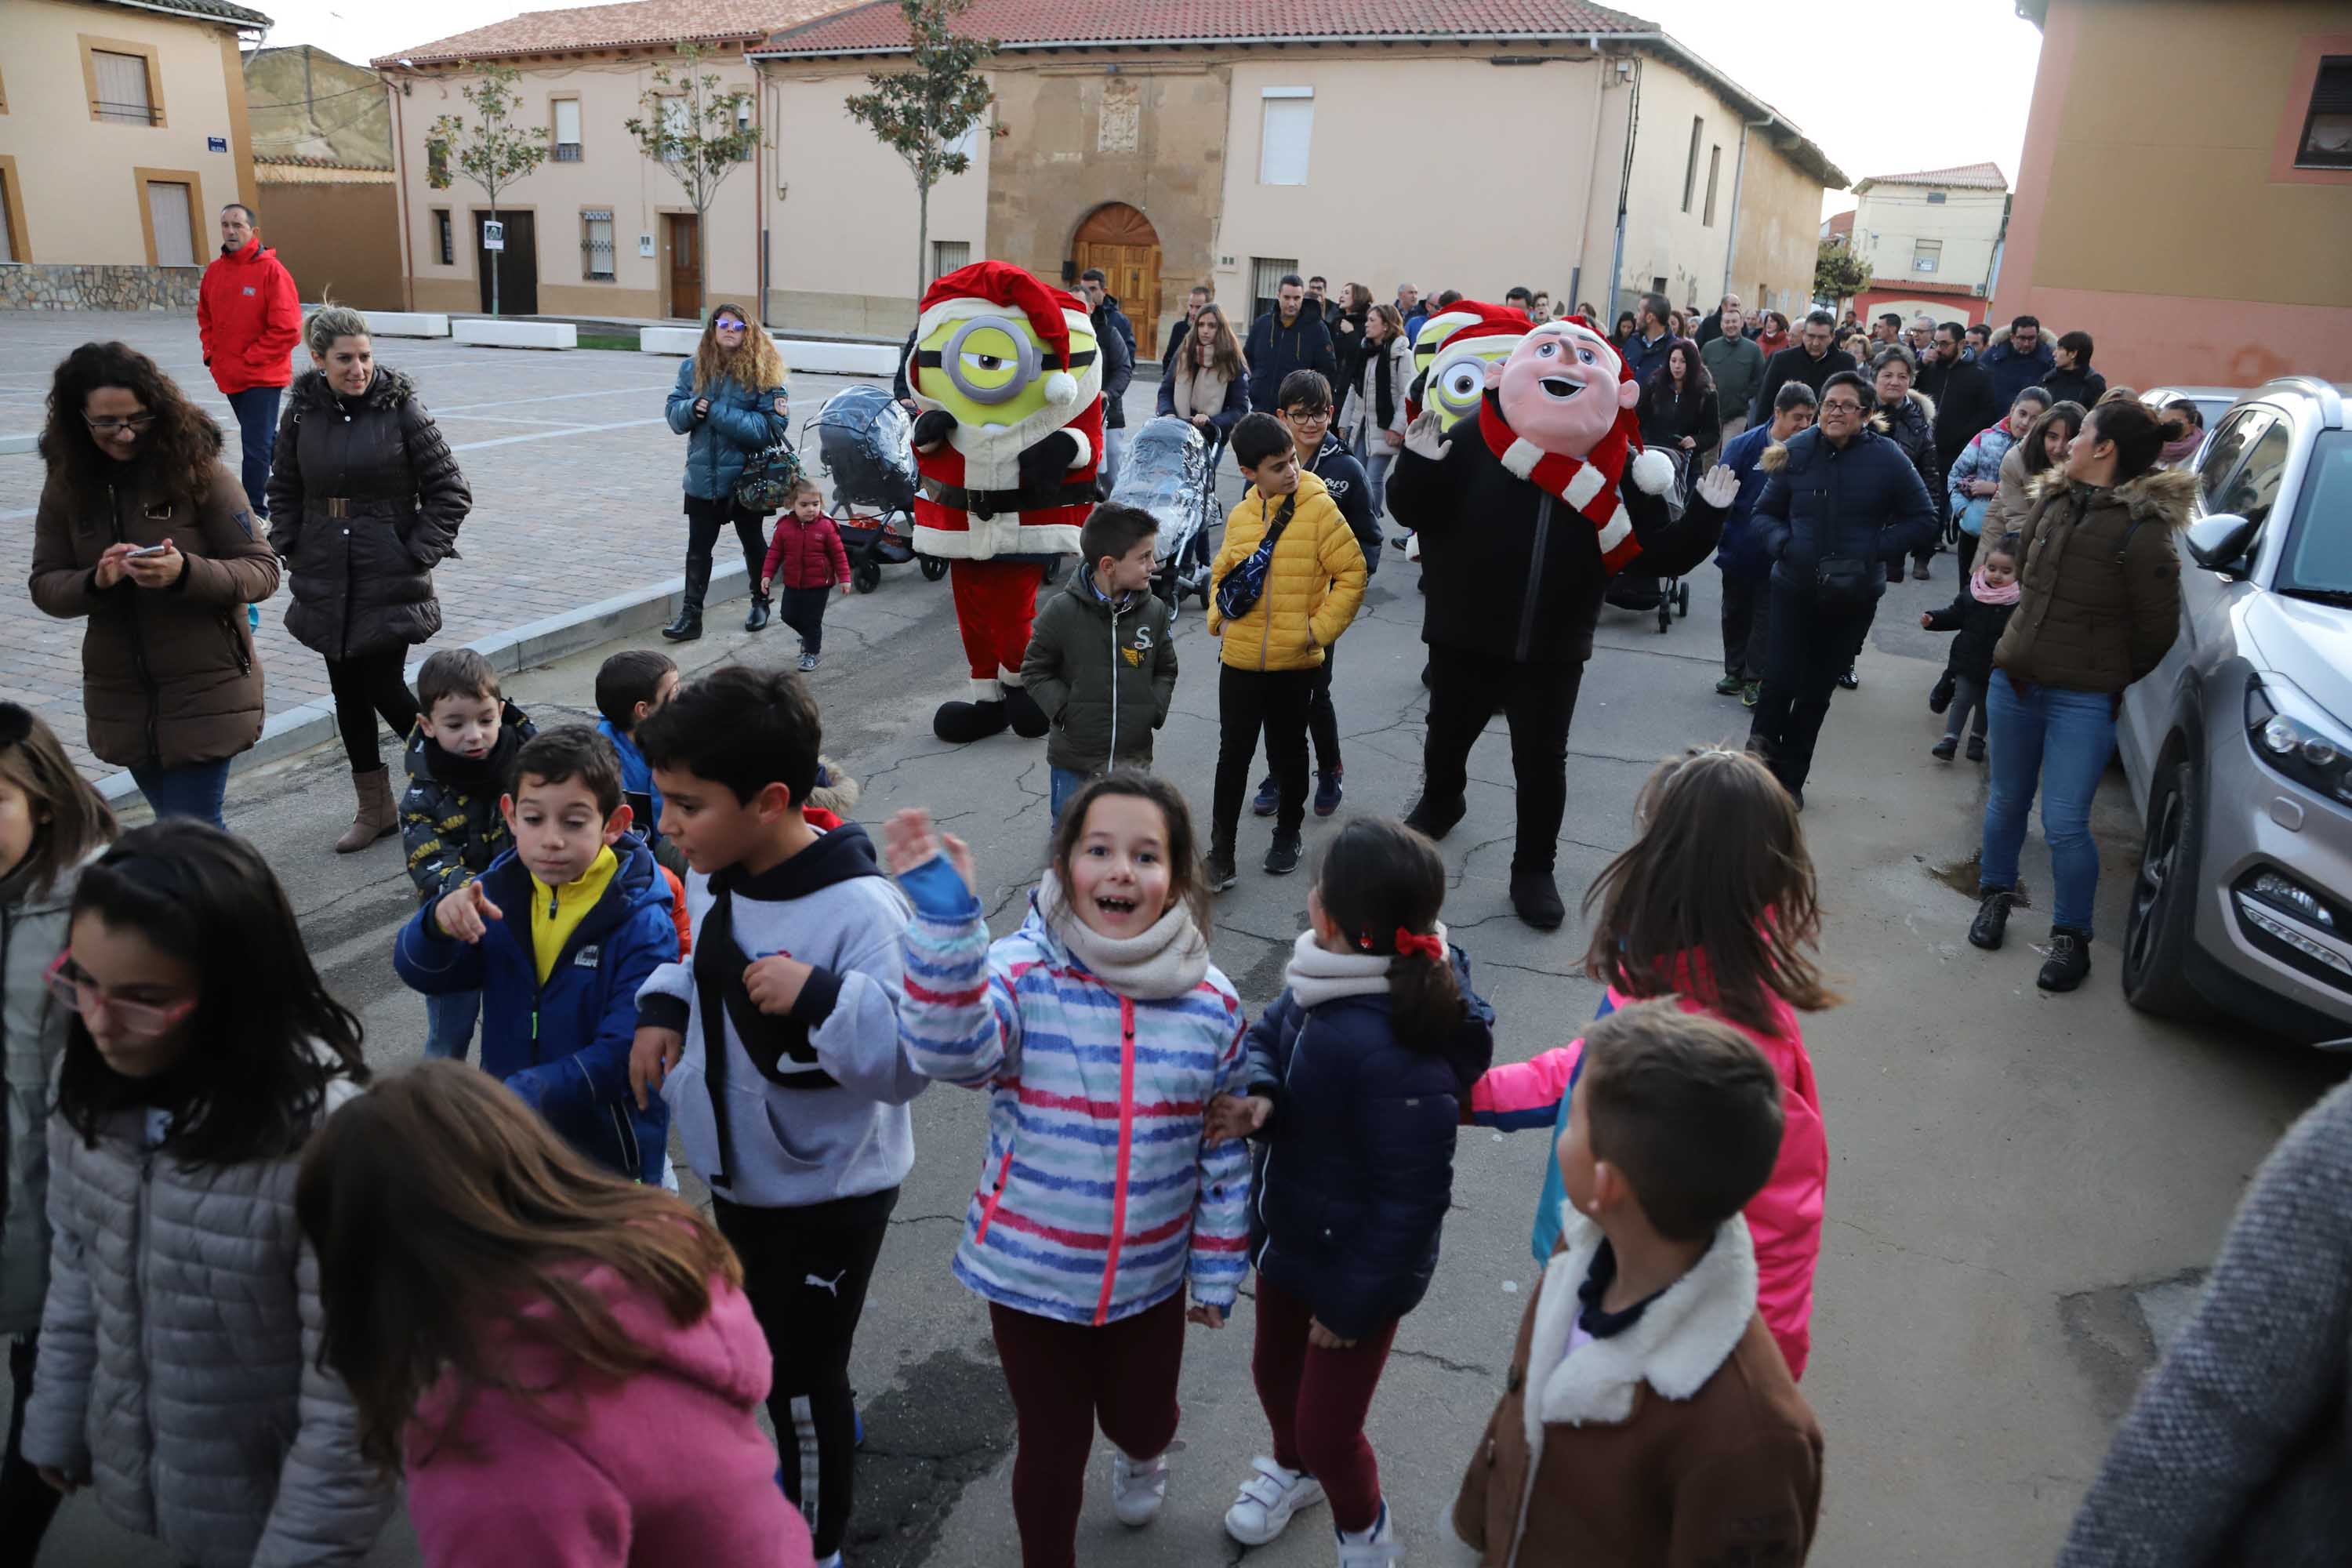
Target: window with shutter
1266	273
744	128
2328	127
1714	172
676	127
597	247
1926	254
444	240
1690	168
948	256
7	219
172	214
567	131
123	95
1937	198
1286	131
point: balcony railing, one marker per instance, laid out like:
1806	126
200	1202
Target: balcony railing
125	113
567	152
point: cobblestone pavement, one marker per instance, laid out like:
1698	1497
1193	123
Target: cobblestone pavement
575	474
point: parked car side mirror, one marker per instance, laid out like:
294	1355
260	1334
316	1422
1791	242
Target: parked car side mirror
2218	540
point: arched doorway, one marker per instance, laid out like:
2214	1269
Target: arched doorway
1122	242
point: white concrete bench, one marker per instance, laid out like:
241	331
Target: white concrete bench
839	359
498	334
408	324
668	340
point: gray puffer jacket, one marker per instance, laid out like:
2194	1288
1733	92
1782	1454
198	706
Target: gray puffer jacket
33	1034
179	1358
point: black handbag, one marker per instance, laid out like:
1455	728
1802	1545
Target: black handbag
1239	589
1845	582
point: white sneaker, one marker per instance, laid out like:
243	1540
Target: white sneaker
1268	1499
1374	1548
1137	1487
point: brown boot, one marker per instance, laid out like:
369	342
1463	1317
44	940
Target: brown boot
377	816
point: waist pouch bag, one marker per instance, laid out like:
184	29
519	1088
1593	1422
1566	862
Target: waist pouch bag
1239	590
1845	582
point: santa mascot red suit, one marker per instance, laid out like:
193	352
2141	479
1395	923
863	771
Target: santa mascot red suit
1008	383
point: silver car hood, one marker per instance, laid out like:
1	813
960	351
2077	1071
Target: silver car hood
2309	644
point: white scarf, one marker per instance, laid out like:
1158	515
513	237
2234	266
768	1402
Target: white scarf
1165	962
1318	975
1200	389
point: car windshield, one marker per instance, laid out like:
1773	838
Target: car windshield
2319	547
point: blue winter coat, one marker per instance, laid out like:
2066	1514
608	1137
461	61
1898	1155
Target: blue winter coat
1355	1167
565	1048
2011	373
1741	552
739	424
1825	503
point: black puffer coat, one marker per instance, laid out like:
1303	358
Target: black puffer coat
1911	425
1825	502
364	500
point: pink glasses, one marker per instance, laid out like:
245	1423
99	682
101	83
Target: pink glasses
139	1020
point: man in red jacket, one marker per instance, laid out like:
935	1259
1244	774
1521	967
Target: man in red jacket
249	320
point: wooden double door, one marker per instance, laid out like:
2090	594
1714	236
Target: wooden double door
1122	242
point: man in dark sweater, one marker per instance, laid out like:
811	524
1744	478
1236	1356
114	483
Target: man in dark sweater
1963	394
1115	339
1291	336
1810	359
1183	332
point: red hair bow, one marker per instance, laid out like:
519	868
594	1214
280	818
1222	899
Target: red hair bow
1429	946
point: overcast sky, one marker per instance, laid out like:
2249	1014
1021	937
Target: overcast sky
1883	88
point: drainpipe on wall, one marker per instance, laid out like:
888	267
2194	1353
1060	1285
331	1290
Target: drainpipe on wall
1624	184
760	187
400	188
1738	171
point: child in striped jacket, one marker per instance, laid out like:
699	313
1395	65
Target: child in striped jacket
1714	904
1101	1031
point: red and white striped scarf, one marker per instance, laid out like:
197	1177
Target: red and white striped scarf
1588	485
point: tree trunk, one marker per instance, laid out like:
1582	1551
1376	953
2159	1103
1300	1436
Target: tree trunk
922	238
495	254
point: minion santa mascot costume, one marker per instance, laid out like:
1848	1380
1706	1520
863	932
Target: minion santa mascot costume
1524	512
1006	376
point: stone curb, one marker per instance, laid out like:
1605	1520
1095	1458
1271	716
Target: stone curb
516	649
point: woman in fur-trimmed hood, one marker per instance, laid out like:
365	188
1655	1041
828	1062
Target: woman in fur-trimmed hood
1907	418
2100	574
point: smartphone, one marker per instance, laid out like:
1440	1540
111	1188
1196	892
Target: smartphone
153	549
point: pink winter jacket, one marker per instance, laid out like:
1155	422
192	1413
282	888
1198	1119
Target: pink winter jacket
1784	1219
668	1469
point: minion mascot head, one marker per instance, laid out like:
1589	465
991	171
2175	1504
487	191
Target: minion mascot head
1453	351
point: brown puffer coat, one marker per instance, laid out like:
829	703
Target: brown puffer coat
364	500
169	676
2101	582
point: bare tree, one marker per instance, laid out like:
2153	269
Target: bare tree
921	112
697	131
494	152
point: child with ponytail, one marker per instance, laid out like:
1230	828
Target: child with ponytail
1715	905
1357	1074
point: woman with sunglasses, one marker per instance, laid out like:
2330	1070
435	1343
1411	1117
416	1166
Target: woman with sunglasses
180	1375
728	404
147	535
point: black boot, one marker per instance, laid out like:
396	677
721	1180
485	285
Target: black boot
759	615
1993	919
1535	897
1434	818
689	625
2069	960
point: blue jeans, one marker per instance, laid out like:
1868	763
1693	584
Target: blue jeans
1066	783
1377	460
195	789
2060	739
449	1023
257	427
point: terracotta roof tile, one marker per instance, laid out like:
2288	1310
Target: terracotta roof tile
879	26
1966	177
636	21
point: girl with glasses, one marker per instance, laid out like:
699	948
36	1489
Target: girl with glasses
180	1373
730	402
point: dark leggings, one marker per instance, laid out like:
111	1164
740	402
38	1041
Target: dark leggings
704	519
27	1501
805	1272
371	685
1316	1401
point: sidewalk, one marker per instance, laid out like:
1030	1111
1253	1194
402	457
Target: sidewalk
576	535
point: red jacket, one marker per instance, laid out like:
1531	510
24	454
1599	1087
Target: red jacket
249	319
806	555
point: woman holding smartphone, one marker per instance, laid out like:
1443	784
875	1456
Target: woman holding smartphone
144	531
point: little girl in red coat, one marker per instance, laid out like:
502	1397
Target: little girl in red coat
807	555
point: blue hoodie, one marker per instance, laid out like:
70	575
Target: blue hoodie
563	1047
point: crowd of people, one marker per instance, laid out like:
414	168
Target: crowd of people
243	1310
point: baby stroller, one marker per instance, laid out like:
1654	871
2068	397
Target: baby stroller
1166	473
1669	597
866	443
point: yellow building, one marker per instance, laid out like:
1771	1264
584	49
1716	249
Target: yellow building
2186	196
122	133
1472	144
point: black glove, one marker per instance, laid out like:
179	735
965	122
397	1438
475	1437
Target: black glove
934	428
1049	462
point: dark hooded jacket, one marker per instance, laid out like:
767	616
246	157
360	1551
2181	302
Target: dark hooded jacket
1862	501
1104	673
364	500
2101	573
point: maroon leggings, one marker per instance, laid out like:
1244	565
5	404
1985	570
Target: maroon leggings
1064	1378
1316	1401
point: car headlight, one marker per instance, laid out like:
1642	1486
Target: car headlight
2296	743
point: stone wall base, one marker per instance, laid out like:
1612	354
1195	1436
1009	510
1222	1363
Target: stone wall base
36	286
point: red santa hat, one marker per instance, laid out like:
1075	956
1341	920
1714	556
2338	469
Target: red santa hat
1652	471
1463	321
987	288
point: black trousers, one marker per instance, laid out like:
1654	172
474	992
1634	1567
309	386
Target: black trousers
1248	701
1538	701
373	686
1810	647
704	521
1746	625
805	1273
1322	723
802	609
26	1500
1966	549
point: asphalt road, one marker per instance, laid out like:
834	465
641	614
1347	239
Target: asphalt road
2021	1187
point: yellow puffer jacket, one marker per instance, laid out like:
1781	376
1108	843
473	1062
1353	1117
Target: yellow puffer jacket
1312	586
